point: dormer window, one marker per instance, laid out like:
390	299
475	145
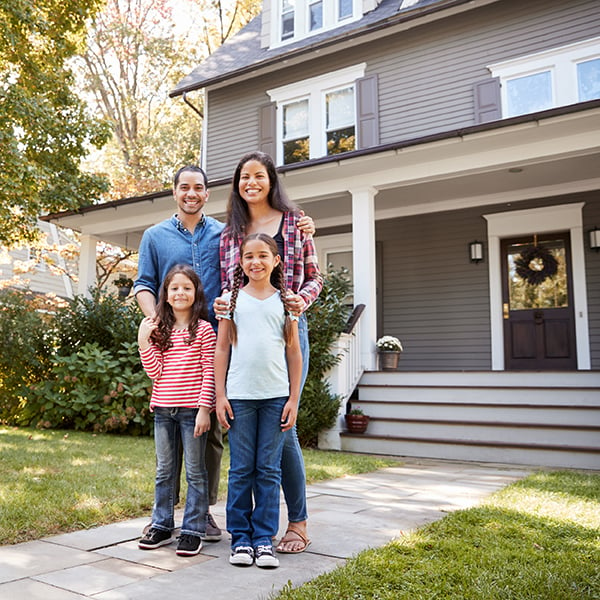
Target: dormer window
298	19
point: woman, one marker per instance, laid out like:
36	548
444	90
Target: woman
258	204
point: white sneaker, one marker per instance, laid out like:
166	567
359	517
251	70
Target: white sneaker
242	556
265	557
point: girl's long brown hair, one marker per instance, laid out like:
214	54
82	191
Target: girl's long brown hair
161	336
239	279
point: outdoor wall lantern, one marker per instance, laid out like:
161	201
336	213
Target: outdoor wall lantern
595	239
476	251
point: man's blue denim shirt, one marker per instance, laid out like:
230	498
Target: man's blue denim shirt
169	243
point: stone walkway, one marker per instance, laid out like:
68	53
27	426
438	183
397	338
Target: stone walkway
347	515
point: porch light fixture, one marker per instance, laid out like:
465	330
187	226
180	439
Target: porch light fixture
595	239
476	251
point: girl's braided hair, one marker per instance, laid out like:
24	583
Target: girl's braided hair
161	336
240	279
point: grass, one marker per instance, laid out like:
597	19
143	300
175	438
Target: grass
537	539
59	481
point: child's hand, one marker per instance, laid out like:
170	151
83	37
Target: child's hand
289	415
147	326
224	412
221	306
202	421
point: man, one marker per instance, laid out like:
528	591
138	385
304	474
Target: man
188	237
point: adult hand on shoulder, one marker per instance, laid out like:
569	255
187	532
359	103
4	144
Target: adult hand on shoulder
221	306
306	225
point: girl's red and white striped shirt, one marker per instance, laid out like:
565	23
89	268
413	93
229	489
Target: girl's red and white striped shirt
183	375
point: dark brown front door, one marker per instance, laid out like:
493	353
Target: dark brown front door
539	332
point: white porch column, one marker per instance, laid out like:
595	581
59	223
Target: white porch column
364	266
87	265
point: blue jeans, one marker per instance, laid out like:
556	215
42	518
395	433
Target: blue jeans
169	424
293	473
255	444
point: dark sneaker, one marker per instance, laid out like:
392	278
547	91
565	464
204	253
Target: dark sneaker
265	557
155	538
242	556
212	533
189	545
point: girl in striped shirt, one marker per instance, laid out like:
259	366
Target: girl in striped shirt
177	348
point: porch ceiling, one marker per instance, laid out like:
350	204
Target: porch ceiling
551	156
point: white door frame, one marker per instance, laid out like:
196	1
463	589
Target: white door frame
539	220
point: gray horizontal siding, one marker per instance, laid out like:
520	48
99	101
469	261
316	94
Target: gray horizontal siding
437	302
425	74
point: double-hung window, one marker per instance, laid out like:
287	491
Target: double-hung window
317	116
556	77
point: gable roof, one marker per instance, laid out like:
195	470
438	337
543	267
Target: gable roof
243	53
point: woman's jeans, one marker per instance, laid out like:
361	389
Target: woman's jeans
293	474
169	424
255	444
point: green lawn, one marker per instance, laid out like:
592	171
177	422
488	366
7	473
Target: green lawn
538	539
58	481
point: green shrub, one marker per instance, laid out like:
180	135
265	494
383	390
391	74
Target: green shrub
93	390
27	348
327	318
95	380
103	319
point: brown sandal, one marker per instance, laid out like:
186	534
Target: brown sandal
298	536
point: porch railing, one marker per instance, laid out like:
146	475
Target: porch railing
344	376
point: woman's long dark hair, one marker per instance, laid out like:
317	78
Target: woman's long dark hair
161	336
238	281
238	215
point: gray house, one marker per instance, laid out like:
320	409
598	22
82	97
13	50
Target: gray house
449	152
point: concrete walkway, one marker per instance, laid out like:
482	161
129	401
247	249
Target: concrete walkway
346	516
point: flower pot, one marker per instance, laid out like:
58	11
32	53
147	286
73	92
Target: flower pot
388	360
356	423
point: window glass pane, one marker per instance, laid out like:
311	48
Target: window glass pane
345	8
295	119
287	19
529	94
316	15
341	140
340	108
296	150
588	79
552	292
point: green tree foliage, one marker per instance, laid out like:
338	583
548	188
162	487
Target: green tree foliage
44	128
327	318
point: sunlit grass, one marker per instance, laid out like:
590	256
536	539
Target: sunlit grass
538	539
56	481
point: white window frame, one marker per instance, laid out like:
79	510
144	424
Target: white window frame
331	20
561	62
314	89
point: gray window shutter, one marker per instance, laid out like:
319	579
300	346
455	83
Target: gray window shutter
367	108
486	95
268	129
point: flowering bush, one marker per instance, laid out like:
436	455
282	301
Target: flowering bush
388	343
